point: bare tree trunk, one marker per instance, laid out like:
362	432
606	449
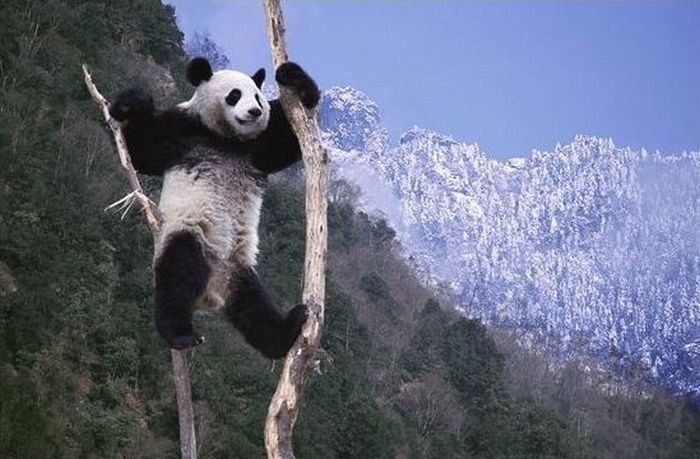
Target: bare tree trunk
185	410
301	361
181	359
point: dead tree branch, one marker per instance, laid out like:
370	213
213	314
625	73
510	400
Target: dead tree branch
181	359
302	359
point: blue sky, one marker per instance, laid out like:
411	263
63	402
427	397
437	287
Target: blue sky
511	76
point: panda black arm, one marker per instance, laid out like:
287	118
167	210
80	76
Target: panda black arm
153	137
278	147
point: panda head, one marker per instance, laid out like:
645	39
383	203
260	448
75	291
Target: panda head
228	102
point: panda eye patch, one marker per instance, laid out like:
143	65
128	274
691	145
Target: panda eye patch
233	97
257	99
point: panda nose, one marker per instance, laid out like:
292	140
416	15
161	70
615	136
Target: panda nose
255	112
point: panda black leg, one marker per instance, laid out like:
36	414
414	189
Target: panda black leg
181	274
258	317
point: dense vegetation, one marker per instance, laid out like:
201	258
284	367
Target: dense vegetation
82	373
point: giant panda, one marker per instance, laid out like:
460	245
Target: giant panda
214	152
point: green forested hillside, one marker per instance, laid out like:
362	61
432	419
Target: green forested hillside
83	374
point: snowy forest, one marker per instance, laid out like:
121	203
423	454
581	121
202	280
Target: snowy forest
538	307
589	249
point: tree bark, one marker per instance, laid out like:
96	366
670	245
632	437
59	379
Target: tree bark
302	359
180	359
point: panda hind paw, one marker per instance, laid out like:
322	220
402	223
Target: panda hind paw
295	321
186	341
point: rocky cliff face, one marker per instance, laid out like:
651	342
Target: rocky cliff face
590	248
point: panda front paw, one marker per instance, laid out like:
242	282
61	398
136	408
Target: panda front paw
130	103
293	76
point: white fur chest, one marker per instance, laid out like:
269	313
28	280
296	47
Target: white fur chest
220	204
189	204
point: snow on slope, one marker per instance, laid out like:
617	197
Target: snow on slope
589	247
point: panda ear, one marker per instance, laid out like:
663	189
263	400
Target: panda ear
259	77
198	70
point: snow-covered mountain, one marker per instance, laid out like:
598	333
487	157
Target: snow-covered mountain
590	248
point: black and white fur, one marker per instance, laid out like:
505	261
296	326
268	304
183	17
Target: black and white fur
214	152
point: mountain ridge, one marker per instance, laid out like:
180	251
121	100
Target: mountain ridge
586	243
